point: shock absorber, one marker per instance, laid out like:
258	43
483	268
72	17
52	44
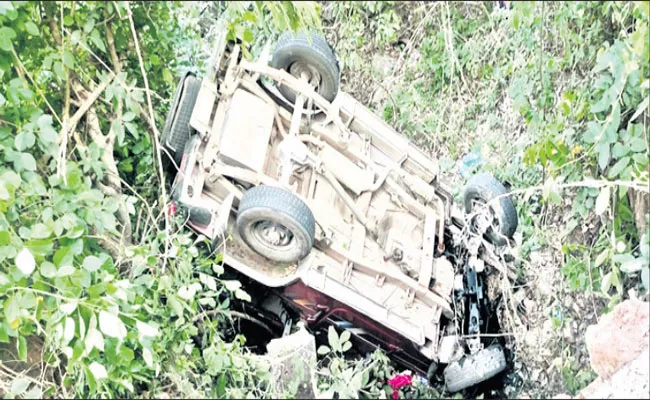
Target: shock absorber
474	294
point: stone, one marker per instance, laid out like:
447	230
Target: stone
383	65
293	363
629	382
449	349
619	337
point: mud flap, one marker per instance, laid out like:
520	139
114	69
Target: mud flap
221	222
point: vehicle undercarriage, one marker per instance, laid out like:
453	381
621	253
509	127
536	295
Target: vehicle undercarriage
333	216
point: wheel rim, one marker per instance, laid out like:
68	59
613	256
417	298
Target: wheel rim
272	234
302	70
486	220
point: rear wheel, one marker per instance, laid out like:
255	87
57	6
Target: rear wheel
311	57
177	129
276	223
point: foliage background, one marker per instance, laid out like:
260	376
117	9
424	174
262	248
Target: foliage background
101	294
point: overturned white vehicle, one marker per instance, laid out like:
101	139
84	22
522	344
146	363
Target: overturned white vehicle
337	218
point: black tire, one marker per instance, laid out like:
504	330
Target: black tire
177	129
475	368
484	187
265	209
296	47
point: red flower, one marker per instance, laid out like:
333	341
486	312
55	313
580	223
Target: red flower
171	209
399	381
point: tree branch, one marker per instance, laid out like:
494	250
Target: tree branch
156	134
21	68
71	125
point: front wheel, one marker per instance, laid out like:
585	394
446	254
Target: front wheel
500	216
276	223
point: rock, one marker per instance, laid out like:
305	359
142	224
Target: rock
619	337
383	65
293	363
639	202
629	382
449	349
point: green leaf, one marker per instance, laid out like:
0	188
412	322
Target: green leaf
619	150
167	76
248	36
645	277
19	386
250	16
111	325
128	116
89	25
126	354
637	145
92	263
58	70
25	262
231	285
68	59
65	270
345	336
618	167
5	237
614	122
603	104
75	37
118	129
323	350
601	258
34	393
40	231
97	40
2	100
5	6
48	134
63	256
603	155
333	339
24	140
242	295
6	36
642	107
632	266
22	348
31	28
11	309
26	161
623	258
40	247
98	371
640	158
4	193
